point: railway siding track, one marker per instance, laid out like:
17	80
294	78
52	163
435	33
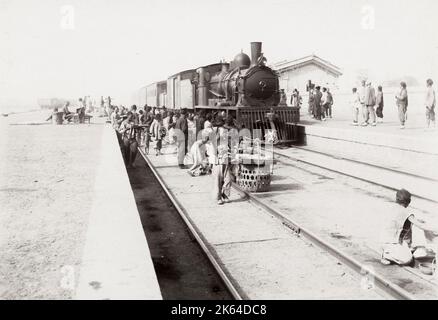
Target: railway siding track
421	187
206	248
354	236
384	284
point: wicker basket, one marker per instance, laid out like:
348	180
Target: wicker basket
253	178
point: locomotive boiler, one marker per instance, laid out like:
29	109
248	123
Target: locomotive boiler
243	82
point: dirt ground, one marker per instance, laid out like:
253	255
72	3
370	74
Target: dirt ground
46	181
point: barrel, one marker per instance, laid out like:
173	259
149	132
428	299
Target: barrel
58	117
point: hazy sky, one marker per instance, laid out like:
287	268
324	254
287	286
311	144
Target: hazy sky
112	47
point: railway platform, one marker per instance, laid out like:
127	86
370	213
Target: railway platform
415	137
69	225
384	154
116	261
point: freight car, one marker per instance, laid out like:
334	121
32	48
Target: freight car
245	88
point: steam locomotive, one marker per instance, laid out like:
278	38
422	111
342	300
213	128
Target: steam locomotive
245	88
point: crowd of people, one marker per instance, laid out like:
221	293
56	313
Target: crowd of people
320	102
370	104
197	135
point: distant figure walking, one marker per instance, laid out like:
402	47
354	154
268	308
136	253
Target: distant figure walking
81	111
402	104
356	105
370	102
324	103
295	99
430	103
362	92
330	102
311	101
379	104
317	103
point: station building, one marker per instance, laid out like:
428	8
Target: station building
297	73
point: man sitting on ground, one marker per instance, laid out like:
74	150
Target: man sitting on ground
397	237
68	116
198	154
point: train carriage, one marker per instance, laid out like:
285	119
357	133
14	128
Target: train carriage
181	90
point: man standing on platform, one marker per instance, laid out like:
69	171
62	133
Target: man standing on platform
311	101
356	105
324	104
81	111
362	102
330	103
380	104
430	103
370	102
317	103
182	129
402	104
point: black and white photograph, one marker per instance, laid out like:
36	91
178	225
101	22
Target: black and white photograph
218	156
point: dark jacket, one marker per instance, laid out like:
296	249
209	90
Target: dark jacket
182	125
148	118
199	124
317	98
379	99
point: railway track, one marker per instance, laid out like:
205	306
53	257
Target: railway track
233	289
367	164
376	182
385	286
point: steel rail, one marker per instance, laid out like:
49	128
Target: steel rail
381	282
366	163
352	176
212	257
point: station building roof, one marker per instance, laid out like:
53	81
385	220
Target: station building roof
287	65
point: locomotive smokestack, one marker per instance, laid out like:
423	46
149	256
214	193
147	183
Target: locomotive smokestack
202	88
256	51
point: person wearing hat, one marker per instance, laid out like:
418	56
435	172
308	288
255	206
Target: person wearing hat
182	135
223	168
430	103
402	104
396	237
130	144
